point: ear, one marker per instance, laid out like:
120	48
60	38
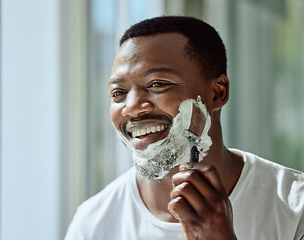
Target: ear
220	87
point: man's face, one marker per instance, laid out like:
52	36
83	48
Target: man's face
151	76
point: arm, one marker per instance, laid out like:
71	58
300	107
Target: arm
201	204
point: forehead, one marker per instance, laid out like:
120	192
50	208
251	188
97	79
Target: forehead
163	49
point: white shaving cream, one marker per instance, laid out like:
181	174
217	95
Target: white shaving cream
159	158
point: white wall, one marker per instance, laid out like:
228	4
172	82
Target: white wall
30	146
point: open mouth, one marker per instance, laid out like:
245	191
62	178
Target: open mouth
146	129
144	132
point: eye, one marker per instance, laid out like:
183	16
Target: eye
156	84
117	95
159	86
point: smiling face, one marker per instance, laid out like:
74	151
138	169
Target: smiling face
151	76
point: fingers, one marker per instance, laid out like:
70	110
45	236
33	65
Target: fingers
180	209
200	202
197	188
190	195
204	178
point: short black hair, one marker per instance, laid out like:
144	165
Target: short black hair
204	44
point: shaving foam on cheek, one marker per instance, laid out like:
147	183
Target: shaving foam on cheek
187	110
159	158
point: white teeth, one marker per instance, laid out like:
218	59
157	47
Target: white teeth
153	129
144	131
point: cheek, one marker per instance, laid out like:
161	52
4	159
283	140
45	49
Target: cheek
168	104
115	114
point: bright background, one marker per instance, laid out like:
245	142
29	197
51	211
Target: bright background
58	146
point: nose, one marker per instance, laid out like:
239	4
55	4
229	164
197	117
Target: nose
136	104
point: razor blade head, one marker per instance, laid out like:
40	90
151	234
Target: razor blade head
192	138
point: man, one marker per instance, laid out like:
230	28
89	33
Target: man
163	63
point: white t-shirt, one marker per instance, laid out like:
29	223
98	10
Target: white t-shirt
267	201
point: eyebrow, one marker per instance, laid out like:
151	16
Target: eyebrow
146	73
115	80
162	69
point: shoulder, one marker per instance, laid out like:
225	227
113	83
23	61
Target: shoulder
111	193
256	164
271	169
267	187
98	210
272	177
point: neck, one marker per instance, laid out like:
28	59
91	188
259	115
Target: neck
156	196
